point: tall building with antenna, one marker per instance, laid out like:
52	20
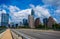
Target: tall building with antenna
31	19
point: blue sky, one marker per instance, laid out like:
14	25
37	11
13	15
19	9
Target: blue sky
22	8
23	4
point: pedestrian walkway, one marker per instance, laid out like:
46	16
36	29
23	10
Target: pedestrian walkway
7	35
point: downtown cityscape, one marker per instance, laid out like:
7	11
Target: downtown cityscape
30	19
30	22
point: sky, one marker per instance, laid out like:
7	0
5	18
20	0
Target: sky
20	9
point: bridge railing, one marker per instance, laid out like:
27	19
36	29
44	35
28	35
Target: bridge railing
19	35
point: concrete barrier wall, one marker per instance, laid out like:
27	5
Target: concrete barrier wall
2	33
18	35
15	36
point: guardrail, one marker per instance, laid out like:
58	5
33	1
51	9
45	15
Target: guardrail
21	35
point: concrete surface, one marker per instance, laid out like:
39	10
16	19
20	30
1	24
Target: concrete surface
40	34
7	35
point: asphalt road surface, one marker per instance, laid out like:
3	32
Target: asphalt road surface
40	34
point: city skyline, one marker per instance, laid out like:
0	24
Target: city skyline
29	19
20	9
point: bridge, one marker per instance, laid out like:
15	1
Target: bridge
30	34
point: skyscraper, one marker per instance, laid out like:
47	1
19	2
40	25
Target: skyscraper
16	25
31	21
25	22
51	21
45	21
21	24
4	19
37	22
32	12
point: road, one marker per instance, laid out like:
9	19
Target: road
40	34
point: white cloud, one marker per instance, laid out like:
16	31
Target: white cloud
43	12
10	21
55	3
3	11
55	19
4	6
57	11
13	8
17	14
40	11
20	14
32	6
49	1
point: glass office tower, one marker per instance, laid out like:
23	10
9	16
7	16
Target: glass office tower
4	19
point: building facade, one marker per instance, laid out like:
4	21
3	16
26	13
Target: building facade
45	21
4	19
51	21
32	12
37	22
31	21
25	22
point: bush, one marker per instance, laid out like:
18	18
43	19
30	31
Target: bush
42	27
23	27
56	26
3	27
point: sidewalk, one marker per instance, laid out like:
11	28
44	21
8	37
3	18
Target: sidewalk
7	35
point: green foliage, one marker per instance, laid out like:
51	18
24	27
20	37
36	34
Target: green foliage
56	26
23	27
2	30
42	27
3	27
